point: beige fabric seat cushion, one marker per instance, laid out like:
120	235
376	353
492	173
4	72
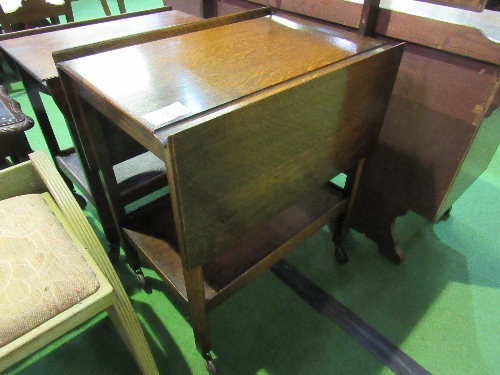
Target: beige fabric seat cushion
41	271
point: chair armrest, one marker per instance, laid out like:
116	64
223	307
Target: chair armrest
20	179
69	207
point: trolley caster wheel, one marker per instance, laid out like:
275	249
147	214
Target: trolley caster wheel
141	278
210	365
341	254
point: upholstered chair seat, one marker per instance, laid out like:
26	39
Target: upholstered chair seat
42	273
54	272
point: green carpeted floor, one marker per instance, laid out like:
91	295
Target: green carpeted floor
441	306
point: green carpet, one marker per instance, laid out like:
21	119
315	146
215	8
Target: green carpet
441	306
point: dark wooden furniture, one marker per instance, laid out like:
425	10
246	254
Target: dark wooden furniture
252	120
30	53
434	142
32	12
13	124
493	5
121	7
474	5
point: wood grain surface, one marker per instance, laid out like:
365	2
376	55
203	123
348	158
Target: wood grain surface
34	52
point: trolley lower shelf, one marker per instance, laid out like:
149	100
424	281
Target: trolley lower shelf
151	230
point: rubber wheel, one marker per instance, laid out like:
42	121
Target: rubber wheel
141	278
341	254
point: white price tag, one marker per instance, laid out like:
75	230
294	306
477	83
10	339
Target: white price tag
166	114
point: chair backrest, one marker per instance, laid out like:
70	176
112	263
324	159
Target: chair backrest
35	10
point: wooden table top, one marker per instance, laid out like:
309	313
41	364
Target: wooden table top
206	69
34	52
267	111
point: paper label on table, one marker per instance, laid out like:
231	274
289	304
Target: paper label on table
166	114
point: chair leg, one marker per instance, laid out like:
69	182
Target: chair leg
121	313
54	20
105	6
69	11
121	6
16	146
7	28
125	320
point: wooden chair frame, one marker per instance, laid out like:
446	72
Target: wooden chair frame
40	176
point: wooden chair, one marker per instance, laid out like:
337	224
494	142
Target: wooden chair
37	206
13	124
32	12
